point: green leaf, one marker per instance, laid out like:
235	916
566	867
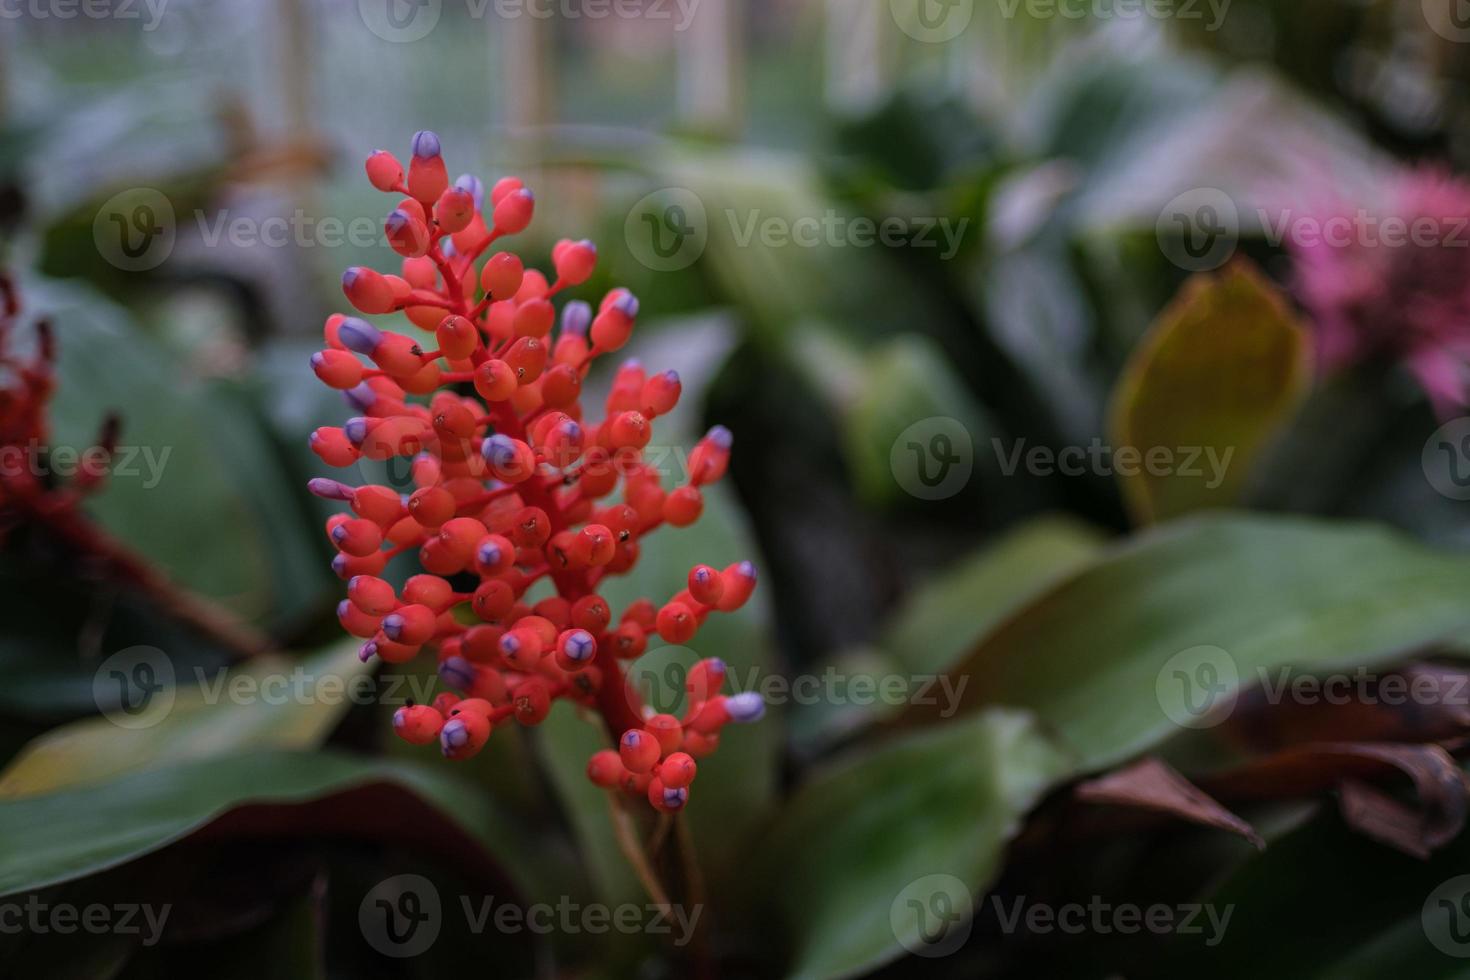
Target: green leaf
860	839
269	703
197	487
943	619
1220	373
78	832
1089	656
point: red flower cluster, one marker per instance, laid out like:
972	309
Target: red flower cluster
512	486
26	386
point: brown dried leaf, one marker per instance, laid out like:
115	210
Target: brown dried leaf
1152	785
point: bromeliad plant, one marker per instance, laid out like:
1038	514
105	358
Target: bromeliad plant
512	487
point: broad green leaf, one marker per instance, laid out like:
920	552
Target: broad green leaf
78	832
894	824
193	469
1089	657
268	703
943	618
1221	371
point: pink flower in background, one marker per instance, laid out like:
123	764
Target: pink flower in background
1393	282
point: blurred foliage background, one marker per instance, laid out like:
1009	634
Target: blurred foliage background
1054	144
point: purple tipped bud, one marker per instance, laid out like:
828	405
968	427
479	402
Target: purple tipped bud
339	565
318	359
359	335
628	304
580	646
743	707
721	437
576	318
489	553
361	397
509	645
393	626
454	735
746	569
458	673
476	187
343	608
329	489
338	533
632	364
675	798
499	450
672	377
356	430
395	222
589	245
425	144
366	652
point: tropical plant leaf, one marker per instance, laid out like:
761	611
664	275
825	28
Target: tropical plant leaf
1235	594
924	814
1222	370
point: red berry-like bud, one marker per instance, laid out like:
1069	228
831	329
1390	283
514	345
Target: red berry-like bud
417	724
428	590
493	600
667	729
513	212
521	649
638	750
464	734
531	702
384	171
432	506
739	583
666	799
705	585
337	368
711	456
503	275
660	394
676	623
605	769
407	235
574	261
371	594
368	291
534	319
678	770
496	380
454	210
357	538
356	621
591	613
575	649
411	625
457	337
628	430
683	507
527	358
427	176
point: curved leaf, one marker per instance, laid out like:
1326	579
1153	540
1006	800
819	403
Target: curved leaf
1088	656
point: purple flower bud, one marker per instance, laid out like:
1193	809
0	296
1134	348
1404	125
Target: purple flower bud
576	318
339	565
476	187
744	707
580	646
628	304
361	397
356	430
675	798
396	222
368	651
488	553
425	144
456	672
393	626
453	735
721	437
329	489
499	451
359	335
746	569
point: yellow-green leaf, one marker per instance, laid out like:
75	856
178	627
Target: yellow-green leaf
1210	385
